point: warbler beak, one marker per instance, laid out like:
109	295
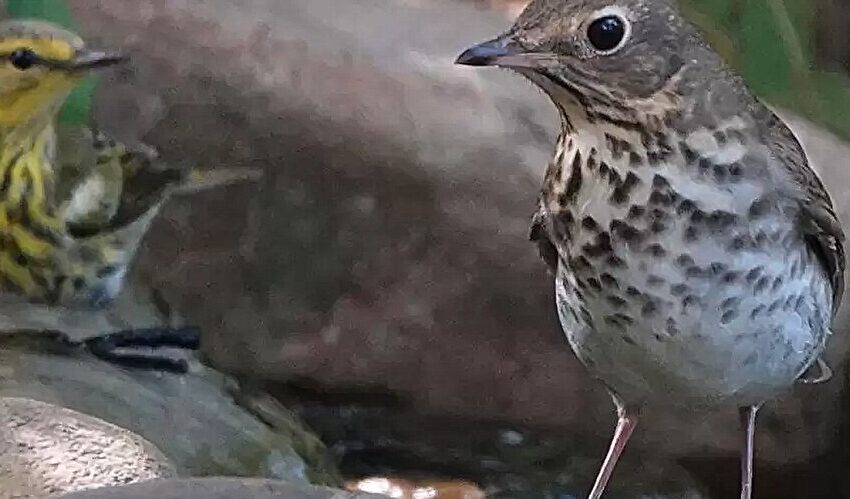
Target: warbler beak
93	59
502	51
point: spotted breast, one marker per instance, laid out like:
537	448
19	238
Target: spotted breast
678	269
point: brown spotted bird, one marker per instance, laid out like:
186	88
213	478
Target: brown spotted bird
698	258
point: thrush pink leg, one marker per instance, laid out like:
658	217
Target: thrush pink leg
627	419
748	422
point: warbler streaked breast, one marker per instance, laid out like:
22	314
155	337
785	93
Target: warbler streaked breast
74	204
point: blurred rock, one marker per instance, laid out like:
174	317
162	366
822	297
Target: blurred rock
833	46
511	8
218	488
388	246
193	420
47	450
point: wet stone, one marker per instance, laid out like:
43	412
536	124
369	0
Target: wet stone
181	416
232	488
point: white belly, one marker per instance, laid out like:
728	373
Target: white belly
688	309
692	353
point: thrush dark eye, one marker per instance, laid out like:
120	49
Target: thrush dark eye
606	33
23	58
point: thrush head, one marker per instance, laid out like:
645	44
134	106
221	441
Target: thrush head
603	54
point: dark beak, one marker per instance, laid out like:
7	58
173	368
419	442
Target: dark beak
504	52
485	54
93	59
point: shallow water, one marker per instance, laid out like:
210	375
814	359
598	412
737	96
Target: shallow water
376	436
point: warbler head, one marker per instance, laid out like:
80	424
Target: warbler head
39	65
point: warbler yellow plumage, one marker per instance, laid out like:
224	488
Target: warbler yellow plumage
74	204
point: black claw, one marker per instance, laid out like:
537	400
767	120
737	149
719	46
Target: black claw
188	338
103	347
146	362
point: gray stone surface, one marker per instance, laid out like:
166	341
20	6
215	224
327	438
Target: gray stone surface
218	488
46	450
388	245
202	422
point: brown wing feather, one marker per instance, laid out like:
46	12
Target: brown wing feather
144	187
818	221
146	182
540	235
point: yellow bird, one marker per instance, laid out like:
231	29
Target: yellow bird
74	204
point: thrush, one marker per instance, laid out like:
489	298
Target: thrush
698	258
74	203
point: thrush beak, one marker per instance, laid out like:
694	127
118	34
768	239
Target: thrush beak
484	54
502	51
93	59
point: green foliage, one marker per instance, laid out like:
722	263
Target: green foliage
77	109
771	43
51	10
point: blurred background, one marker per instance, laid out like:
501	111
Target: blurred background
379	281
